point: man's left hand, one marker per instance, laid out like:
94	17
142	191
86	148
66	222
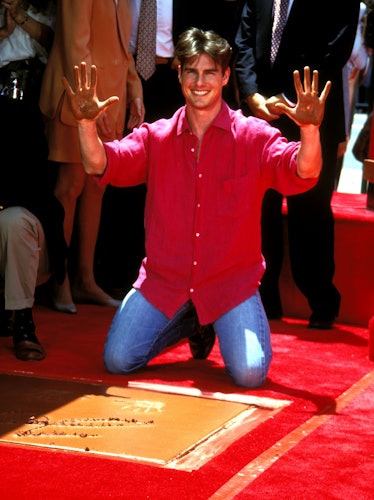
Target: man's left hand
310	107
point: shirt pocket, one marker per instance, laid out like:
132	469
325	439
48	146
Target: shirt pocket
233	197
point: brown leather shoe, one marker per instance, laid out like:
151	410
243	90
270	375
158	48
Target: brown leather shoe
26	350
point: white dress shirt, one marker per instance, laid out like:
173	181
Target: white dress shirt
19	45
164	41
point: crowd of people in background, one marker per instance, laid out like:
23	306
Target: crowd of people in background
71	229
32	244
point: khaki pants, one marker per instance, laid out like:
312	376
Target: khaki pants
23	257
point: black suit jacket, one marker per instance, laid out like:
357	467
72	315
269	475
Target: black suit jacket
319	34
220	16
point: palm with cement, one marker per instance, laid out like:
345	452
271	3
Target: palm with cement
310	107
84	102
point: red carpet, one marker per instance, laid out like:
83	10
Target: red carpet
319	447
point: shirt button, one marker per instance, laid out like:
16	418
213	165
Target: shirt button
195	263
192	290
197	235
198	205
200	176
192	150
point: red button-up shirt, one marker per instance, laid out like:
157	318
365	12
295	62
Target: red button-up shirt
202	216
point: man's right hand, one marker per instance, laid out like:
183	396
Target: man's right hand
83	101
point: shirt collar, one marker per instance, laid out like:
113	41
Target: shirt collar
222	120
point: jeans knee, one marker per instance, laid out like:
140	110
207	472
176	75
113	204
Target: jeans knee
115	362
251	378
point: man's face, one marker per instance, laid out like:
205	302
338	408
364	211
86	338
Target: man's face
202	81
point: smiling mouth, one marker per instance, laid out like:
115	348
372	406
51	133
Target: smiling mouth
200	92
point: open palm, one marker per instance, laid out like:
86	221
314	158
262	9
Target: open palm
310	107
84	102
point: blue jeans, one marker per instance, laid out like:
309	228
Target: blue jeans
139	332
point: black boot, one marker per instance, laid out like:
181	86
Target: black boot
27	346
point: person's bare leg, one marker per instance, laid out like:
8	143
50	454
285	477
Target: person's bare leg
69	186
85	288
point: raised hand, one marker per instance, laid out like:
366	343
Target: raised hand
84	102
310	107
8	26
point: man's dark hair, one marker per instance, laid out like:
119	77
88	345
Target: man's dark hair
194	42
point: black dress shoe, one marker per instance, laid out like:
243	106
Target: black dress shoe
321	322
202	342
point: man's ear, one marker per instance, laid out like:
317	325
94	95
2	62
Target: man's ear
226	76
